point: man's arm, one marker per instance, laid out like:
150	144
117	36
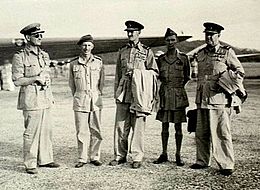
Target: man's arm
234	64
71	79
101	79
151	63
118	73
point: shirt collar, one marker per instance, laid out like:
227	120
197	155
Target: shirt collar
213	49
82	61
32	49
137	46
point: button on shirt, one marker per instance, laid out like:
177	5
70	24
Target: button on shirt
211	65
30	62
86	82
130	58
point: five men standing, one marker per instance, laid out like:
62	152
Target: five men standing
136	73
30	71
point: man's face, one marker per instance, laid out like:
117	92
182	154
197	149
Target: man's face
170	41
86	47
133	35
35	39
212	39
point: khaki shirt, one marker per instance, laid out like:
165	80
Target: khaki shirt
211	65
29	63
130	58
86	82
173	76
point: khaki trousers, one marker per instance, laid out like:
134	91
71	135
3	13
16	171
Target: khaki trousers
37	138
214	132
124	122
85	121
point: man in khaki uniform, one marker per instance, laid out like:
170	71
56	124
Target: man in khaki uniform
86	82
31	71
174	73
213	103
133	56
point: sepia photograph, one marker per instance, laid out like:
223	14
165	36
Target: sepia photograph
129	95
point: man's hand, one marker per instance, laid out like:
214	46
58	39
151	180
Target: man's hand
44	79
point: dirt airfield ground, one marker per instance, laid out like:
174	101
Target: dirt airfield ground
246	133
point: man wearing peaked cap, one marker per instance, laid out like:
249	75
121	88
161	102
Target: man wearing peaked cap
31	72
212	27
133	59
214	105
133	26
87	101
173	96
32	29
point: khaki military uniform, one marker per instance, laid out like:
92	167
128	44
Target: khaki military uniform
130	58
35	100
173	97
86	82
214	107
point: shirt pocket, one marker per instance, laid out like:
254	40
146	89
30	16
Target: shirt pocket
30	69
181	100
77	72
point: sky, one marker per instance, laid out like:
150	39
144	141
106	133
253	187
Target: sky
106	18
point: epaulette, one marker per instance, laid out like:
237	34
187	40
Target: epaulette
19	51
124	46
183	54
73	59
162	55
145	46
226	47
99	58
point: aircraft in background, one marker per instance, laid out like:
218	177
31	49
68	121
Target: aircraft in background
61	48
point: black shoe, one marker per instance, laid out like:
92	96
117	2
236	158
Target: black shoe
79	164
197	166
162	158
31	170
96	162
136	165
50	165
179	161
117	162
226	172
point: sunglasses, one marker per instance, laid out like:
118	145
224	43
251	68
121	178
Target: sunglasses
37	35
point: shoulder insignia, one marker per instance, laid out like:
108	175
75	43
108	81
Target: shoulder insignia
123	47
145	46
183	54
226	47
99	58
19	51
73	59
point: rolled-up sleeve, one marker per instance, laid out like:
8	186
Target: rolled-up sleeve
71	79
234	63
17	67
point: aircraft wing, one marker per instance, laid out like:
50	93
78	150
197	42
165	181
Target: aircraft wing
60	48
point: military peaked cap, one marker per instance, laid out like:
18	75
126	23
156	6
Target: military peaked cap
169	32
33	28
212	27
86	38
133	26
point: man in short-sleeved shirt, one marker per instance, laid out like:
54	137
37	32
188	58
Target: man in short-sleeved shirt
30	71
